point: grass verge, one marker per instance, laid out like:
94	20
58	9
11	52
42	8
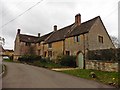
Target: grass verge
109	78
48	65
7	60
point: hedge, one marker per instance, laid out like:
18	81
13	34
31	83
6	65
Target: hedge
104	54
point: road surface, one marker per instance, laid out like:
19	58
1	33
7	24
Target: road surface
27	76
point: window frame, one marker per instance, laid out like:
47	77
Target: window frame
68	53
100	39
50	45
49	53
76	38
27	44
39	52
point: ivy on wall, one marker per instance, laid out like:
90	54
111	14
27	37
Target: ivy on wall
104	54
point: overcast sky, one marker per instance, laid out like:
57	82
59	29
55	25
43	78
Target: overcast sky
48	13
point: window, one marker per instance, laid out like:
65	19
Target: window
27	44
49	53
76	39
39	44
67	52
45	53
38	52
100	39
50	45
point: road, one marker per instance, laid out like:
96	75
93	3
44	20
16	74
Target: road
27	76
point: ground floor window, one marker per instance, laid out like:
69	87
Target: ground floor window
45	53
67	52
38	52
49	53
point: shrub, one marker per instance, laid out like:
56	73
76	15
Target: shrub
105	54
29	58
69	61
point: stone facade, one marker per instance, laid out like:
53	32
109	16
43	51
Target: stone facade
70	40
23	47
98	29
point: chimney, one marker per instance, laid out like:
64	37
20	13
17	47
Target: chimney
55	27
18	31
38	34
78	19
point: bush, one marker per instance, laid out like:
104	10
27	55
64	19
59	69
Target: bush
29	58
105	55
69	61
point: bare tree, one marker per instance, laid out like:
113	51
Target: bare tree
115	41
2	41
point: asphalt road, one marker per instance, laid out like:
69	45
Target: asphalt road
26	76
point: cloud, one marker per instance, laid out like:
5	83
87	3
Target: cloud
44	16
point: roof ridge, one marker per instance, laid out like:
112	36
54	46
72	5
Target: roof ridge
88	21
29	35
91	19
49	36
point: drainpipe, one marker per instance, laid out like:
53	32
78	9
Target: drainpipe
84	50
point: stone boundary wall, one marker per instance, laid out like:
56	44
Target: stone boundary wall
101	65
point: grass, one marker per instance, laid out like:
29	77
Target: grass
7	60
48	65
102	76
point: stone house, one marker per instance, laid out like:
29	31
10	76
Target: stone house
7	52
75	39
24	45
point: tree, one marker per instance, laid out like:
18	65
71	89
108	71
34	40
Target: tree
2	41
115	41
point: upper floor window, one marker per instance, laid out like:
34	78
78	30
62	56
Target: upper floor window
76	39
50	45
100	39
27	44
39	44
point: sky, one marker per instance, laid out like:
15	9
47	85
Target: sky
39	16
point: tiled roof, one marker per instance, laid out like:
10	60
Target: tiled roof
33	39
59	34
28	38
62	33
71	30
42	38
83	28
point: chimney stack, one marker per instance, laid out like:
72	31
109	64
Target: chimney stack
18	31
78	19
55	27
38	34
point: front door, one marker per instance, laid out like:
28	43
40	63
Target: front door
80	60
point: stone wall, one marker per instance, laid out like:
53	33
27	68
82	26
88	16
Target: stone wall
101	65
